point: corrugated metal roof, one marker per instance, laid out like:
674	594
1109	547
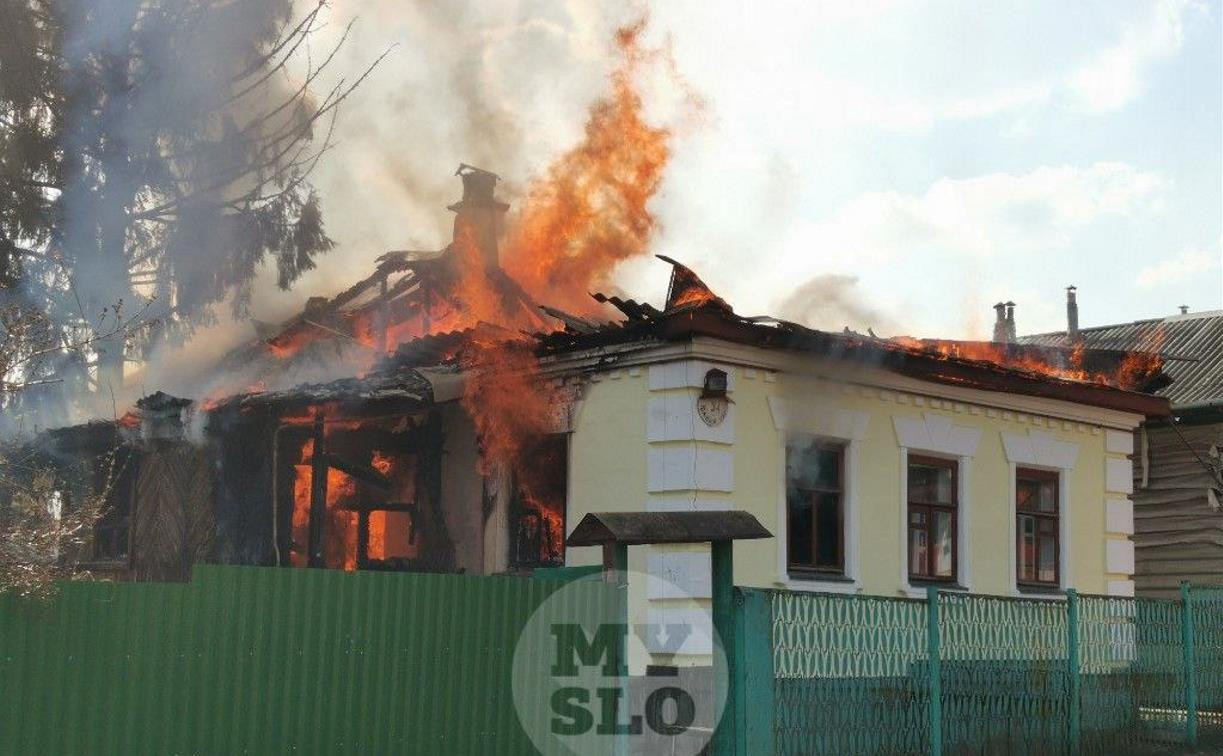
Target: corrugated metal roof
1192	345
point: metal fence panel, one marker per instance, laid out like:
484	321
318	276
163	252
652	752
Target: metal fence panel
1208	659
1091	674
850	674
1004	674
261	660
1132	670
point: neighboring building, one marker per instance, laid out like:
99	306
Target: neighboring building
1178	475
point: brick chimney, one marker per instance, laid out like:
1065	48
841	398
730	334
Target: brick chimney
162	417
479	213
1000	334
1072	313
1010	321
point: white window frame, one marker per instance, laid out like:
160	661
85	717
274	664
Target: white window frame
935	435
1041	450
1063	531
851	582
963	519
825	421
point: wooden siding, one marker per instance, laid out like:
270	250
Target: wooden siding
1178	527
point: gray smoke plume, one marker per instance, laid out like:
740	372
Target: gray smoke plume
831	302
504	86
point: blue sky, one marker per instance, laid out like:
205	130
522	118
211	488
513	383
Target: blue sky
949	155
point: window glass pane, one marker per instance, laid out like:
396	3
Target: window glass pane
1026	558
809	465
1048	560
1036	492
1025	494
799	530
1047	497
828	530
918	554
928	483
944	535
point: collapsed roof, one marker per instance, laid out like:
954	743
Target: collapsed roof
411	313
692	310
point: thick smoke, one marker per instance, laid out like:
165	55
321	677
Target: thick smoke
832	302
502	86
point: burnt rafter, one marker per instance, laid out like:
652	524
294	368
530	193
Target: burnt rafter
360	471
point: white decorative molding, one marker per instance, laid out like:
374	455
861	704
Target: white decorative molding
687	630
679	575
963	553
1119	557
1040	449
1121	588
818	419
686	374
1118	442
687	503
935	433
1119	475
1065	564
1119	516
671	416
689	467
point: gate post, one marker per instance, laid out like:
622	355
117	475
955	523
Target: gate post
754	733
1191	681
935	671
722	564
1072	667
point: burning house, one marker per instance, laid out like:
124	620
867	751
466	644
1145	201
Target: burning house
436	416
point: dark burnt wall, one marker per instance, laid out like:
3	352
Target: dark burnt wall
241	444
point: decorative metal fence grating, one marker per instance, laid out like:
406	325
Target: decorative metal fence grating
1208	657
848	676
1004	674
961	674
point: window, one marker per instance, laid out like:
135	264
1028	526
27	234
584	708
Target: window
1036	528
932	518
539	503
815	496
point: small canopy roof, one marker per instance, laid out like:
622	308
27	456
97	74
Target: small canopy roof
632	528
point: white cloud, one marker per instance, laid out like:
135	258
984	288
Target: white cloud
983	215
1178	269
962	237
1114	77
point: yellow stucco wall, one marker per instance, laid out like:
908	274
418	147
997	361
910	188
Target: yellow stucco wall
613	442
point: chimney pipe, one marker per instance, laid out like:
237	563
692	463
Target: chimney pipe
1184	309
162	417
1010	321
479	214
1072	313
1000	335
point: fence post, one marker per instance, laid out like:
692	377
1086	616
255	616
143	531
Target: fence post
1072	667
754	705
725	670
1191	678
936	684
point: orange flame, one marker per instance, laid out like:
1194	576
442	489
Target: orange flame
1134	369
590	211
340	544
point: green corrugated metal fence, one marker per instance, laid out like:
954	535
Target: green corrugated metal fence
846	674
259	660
